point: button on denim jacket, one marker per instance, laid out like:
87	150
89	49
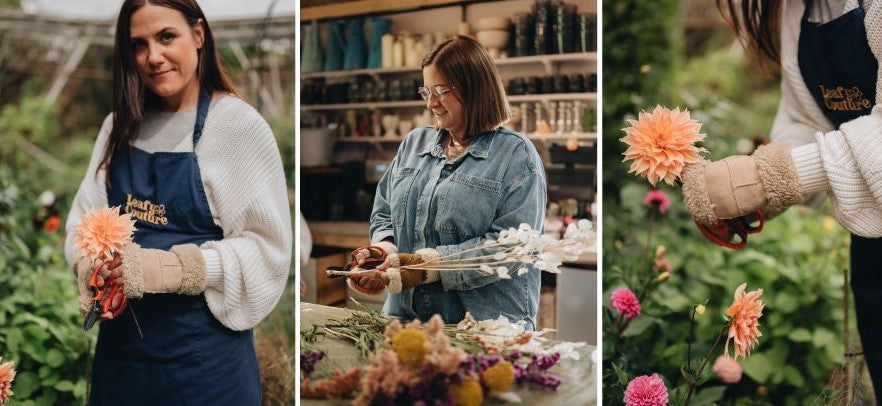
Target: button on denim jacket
425	201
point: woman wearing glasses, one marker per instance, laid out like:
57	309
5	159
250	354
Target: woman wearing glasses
450	188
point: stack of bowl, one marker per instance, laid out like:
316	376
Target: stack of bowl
492	33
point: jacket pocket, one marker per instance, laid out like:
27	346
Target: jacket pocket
402	183
466	208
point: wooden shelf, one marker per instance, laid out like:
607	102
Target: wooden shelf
544	98
589	97
369	106
369	139
554	137
562	136
363	7
548	61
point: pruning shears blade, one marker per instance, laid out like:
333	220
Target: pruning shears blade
92	317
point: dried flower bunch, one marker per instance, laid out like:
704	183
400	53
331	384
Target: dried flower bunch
522	245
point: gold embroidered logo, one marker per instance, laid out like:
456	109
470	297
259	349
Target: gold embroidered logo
842	99
146	210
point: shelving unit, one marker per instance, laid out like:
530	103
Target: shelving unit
531	136
545	98
549	62
369	105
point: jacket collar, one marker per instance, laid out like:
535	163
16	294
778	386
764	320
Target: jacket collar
480	148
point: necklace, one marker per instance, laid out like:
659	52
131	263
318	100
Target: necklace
454	149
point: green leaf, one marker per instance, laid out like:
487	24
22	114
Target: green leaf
758	367
64	386
822	337
687	376
708	396
622	375
54	358
793	376
48	399
25	384
638	326
800	335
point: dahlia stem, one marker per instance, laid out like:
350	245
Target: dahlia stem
649	255
689	340
694	385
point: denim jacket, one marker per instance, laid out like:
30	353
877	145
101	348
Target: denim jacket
425	201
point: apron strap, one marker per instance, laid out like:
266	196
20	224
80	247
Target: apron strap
201	113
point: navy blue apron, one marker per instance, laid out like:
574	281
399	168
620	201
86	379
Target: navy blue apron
186	357
840	71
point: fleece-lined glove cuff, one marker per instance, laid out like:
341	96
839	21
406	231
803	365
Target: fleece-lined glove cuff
401	278
740	185
181	270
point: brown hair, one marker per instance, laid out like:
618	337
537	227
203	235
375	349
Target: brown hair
130	95
756	23
463	62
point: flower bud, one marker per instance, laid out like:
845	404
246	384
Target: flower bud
699	310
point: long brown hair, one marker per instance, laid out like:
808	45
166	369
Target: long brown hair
757	23
130	96
463	62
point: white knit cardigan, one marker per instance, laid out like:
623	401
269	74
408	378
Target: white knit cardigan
845	163
244	182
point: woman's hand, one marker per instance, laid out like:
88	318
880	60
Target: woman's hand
115	271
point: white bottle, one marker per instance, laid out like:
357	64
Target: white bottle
387	40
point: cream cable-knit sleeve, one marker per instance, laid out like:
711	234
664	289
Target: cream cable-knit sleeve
245	183
92	193
846	162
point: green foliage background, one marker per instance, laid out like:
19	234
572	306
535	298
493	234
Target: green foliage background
799	259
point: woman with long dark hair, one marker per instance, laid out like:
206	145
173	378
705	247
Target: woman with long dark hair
827	135
200	172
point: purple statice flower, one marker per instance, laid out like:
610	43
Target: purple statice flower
536	371
308	360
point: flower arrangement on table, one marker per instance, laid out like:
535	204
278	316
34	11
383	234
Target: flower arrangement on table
464	364
660	145
430	362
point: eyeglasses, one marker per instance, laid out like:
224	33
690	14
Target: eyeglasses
439	92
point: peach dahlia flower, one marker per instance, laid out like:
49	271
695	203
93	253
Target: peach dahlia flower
7	374
745	313
661	143
103	231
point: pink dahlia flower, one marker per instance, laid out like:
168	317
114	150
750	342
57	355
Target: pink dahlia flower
646	390
657	198
626	303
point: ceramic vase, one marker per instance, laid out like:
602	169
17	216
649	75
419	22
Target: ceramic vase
312	52
379	27
336	46
356	55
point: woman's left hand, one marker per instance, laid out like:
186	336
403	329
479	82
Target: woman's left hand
116	301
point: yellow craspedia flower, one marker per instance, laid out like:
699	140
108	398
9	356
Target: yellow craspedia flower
408	344
467	393
499	377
